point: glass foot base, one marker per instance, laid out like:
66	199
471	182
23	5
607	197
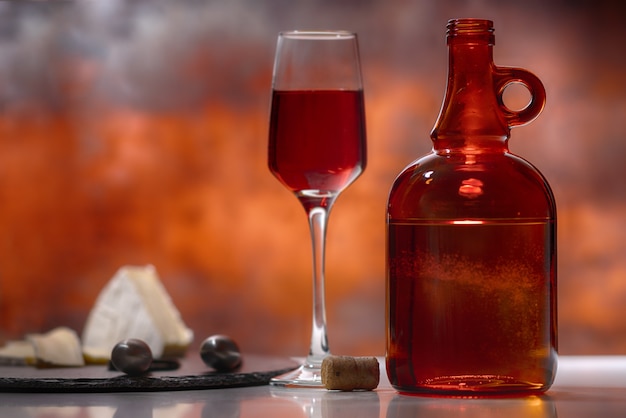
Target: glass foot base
305	376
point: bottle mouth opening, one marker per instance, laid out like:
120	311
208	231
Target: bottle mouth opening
471	30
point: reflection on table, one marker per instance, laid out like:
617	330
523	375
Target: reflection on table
585	387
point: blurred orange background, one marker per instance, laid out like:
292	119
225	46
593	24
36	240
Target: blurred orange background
135	132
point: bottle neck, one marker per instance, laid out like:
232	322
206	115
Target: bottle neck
470	118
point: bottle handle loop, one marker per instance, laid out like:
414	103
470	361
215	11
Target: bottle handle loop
505	76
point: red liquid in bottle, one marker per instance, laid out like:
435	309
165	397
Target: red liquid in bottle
472	299
317	139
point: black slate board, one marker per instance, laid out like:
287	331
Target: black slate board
193	374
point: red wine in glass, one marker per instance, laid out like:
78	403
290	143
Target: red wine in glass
317	140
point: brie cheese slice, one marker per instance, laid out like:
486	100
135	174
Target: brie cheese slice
135	304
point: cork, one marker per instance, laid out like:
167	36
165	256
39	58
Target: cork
350	373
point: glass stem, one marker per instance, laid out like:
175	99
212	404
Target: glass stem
318	219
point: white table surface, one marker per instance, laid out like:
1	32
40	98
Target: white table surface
586	386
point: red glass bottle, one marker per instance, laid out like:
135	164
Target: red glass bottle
471	237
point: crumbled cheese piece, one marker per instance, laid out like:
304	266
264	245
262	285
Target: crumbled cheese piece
58	347
17	353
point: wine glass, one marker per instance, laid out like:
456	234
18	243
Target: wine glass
316	149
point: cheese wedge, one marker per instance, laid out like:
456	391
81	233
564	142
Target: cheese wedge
59	347
135	304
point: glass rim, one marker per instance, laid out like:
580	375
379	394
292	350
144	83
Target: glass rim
317	34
